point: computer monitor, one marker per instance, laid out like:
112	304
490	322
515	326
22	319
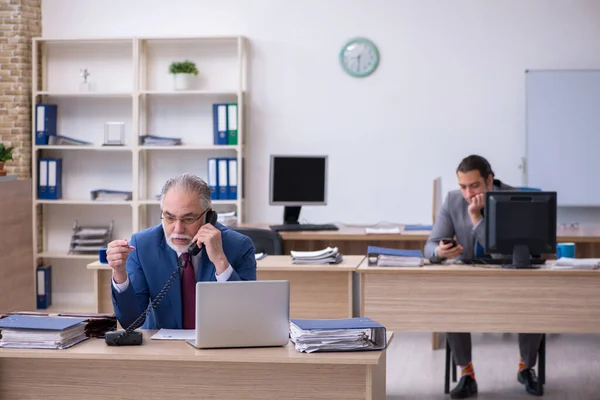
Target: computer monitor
521	224
297	181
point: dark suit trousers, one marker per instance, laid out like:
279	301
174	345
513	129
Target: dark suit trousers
460	344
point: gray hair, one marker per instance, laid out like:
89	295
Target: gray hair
191	183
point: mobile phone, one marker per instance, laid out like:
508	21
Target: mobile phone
449	240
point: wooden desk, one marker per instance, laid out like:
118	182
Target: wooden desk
351	240
316	291
163	369
460	298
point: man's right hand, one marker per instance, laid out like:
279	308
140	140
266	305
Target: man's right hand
447	251
117	253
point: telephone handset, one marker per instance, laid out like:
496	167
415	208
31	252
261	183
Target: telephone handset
211	218
129	336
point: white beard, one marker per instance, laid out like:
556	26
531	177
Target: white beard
178	249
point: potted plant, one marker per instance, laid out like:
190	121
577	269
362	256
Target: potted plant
184	73
5	155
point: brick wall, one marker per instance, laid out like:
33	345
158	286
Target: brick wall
20	21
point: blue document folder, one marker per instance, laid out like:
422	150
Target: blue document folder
39	323
373	251
418	227
378	336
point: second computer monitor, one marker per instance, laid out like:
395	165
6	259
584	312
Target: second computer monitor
520	223
297	181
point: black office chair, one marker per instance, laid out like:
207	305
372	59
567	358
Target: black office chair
265	240
450	360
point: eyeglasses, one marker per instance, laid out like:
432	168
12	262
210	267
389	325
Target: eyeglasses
186	221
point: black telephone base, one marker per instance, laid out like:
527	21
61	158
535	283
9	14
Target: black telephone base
130	339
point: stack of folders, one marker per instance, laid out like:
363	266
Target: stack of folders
153	140
111	195
576	263
385	257
349	334
36	332
326	256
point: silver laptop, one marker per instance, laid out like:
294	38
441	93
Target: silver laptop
242	314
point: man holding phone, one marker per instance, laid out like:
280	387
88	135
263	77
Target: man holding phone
462	215
143	266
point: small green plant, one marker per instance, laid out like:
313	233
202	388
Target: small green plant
183	67
6	153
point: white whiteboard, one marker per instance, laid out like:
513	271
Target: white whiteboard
563	134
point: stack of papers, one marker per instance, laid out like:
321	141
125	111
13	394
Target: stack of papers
385	257
111	195
151	140
227	218
326	256
350	334
576	263
36	332
382	231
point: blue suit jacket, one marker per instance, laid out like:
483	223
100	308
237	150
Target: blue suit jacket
151	264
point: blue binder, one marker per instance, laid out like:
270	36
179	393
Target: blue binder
222	178
17	321
44	286
232	179
45	122
418	227
220	124
378	331
213	178
373	251
50	178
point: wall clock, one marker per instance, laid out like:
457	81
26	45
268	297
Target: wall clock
359	57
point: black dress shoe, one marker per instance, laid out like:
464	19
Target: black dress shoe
467	387
527	377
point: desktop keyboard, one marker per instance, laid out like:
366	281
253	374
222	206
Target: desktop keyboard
304	227
502	261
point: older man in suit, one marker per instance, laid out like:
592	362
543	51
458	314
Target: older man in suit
143	266
462	216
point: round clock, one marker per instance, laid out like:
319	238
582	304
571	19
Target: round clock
359	57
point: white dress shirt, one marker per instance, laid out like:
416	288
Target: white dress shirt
121	287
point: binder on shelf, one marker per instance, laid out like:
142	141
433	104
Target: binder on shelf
213	182
232	124
222	176
50	178
44	286
232	179
45	122
220	124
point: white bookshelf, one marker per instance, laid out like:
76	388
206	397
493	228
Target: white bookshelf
131	84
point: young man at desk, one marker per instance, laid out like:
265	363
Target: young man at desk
462	216
142	267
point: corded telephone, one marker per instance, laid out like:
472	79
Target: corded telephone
129	337
211	218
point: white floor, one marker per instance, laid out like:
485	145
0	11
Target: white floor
415	371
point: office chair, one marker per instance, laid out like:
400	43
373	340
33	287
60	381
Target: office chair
265	240
450	360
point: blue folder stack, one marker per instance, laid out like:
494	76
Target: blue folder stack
346	334
41	332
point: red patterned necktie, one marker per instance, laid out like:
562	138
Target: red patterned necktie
188	293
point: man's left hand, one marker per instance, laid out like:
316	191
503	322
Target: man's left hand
210	236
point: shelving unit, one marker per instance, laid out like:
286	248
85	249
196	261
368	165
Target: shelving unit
131	84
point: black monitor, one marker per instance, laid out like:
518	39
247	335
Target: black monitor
521	224
297	181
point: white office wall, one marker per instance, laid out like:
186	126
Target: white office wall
450	83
